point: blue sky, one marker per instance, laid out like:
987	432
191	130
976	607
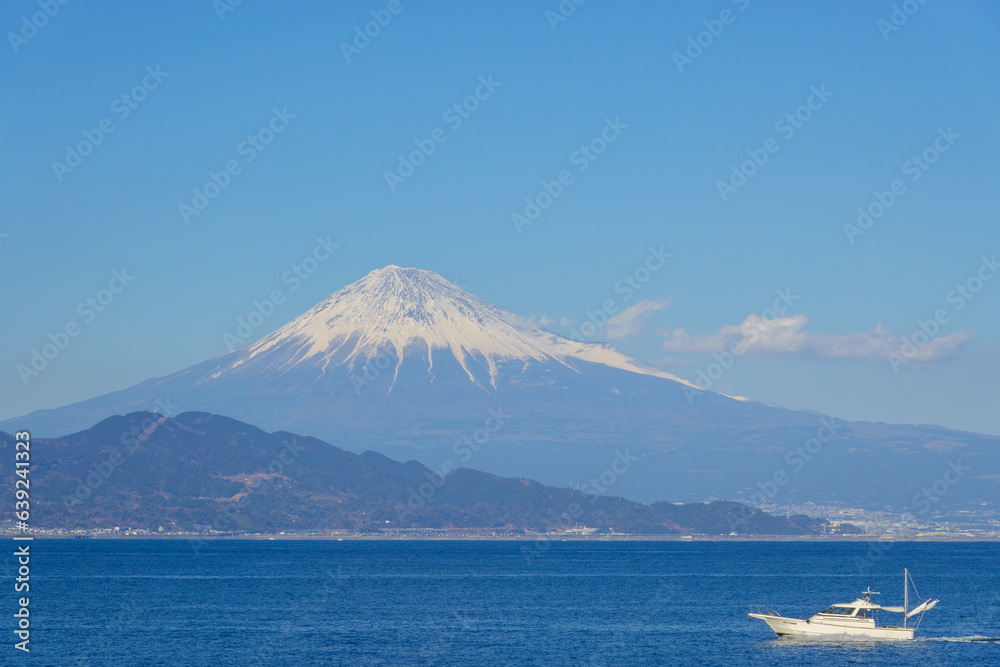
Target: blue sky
886	96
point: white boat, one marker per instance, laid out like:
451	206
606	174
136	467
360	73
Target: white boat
855	619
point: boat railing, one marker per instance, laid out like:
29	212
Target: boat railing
763	609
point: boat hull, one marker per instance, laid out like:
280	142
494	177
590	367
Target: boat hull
797	627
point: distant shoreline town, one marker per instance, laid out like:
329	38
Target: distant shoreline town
578	534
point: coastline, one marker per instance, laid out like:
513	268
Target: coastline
333	537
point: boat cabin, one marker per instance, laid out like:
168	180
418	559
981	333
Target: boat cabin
856	609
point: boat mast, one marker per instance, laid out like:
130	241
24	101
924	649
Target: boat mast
906	594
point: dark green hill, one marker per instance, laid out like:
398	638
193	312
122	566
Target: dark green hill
199	471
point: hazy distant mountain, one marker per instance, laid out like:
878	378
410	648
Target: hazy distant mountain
200	471
404	363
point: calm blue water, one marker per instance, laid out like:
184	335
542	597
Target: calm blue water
487	603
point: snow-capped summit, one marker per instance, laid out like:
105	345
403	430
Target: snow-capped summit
409	312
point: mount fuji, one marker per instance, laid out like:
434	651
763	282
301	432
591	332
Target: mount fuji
404	363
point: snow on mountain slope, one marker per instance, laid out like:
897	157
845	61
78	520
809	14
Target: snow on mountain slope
413	311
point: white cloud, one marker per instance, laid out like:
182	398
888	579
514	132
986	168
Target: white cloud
544	320
632	320
787	336
566	322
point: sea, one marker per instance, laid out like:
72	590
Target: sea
543	602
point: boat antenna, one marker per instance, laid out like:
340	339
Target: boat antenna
871	571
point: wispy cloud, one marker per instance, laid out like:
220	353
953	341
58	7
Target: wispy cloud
787	336
633	319
543	320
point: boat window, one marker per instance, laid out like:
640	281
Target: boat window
844	611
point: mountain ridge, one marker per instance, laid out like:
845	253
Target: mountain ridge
202	472
373	362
